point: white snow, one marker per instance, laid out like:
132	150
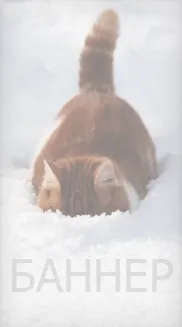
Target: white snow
41	42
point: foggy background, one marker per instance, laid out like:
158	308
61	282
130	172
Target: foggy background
39	57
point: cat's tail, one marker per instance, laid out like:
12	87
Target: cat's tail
96	60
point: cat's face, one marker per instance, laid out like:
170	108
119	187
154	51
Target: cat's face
85	185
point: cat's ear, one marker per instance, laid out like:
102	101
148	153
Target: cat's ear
50	174
106	174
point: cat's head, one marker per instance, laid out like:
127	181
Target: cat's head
85	185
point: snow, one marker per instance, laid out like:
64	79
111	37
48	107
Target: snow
41	42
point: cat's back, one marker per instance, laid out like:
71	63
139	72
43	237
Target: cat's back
98	113
97	123
101	123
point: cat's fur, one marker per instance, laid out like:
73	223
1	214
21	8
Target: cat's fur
100	157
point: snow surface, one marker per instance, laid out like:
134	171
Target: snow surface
41	42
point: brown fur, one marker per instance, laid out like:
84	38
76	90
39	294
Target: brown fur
96	61
98	134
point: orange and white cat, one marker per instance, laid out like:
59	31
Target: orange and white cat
100	156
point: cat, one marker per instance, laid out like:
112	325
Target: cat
100	157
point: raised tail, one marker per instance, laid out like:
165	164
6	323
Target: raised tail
96	60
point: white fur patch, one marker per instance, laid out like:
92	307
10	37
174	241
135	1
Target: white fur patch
133	197
56	124
50	180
